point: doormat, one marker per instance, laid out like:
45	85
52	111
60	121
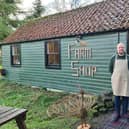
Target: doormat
121	124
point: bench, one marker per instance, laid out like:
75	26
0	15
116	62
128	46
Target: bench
8	113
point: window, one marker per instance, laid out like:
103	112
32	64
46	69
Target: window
16	55
52	54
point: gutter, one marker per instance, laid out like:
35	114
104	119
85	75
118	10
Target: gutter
68	36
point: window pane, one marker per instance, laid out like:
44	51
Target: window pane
15	55
56	59
56	47
50	48
13	50
16	60
53	59
53	54
50	59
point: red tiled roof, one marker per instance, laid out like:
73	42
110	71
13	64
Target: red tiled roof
99	17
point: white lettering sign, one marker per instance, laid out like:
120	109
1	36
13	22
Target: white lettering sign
78	52
82	69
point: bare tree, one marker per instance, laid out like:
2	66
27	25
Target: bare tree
75	4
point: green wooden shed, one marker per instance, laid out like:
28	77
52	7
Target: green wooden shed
70	50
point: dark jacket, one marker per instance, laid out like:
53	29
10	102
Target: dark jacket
112	61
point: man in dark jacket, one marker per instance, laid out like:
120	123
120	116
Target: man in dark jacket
119	68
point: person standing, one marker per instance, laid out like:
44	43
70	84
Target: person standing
119	68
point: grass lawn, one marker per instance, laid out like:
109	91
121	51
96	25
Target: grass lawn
36	101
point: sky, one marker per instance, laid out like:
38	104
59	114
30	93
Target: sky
27	5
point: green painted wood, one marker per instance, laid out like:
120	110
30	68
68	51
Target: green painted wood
33	71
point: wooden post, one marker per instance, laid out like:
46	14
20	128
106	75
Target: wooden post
20	120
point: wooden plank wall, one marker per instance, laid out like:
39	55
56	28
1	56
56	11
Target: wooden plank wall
33	71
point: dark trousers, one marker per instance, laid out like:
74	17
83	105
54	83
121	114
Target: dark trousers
121	101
